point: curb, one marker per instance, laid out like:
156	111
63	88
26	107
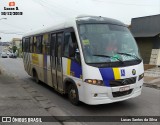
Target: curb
155	86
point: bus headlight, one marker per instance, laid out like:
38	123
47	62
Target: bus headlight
140	76
94	82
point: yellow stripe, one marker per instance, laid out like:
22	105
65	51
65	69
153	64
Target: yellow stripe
35	59
116	73
68	66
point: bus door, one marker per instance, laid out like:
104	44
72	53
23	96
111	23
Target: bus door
56	60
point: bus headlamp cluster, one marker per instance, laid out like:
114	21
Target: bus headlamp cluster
94	82
140	76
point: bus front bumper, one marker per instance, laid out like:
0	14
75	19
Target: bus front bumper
95	95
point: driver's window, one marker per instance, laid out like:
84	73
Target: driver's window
70	44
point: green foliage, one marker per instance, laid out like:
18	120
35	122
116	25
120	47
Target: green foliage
14	48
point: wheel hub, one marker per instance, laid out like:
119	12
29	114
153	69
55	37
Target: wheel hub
73	94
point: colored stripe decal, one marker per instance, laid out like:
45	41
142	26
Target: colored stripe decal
116	73
76	69
107	74
68	66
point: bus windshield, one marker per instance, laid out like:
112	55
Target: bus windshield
103	43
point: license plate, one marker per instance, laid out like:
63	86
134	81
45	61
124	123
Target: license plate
125	88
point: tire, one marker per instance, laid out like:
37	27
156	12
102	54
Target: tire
73	94
35	76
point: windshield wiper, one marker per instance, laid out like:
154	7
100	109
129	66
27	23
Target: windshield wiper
127	54
109	57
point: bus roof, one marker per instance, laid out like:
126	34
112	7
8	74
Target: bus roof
80	20
98	19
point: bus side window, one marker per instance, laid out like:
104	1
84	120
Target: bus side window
34	44
66	45
46	44
70	45
26	45
23	45
39	44
47	48
31	44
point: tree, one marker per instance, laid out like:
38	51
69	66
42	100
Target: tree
14	48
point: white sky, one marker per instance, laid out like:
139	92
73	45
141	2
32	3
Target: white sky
42	13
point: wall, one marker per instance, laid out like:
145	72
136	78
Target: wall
145	47
155	55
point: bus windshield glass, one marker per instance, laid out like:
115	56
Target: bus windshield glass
103	43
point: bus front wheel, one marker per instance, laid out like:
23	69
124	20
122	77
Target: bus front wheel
73	94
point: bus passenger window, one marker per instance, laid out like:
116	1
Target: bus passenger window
66	45
46	44
31	44
39	44
34	44
47	49
23	45
26	45
59	50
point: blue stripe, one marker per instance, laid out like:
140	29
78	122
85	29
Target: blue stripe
76	68
107	74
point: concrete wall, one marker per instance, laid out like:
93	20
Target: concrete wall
155	54
150	49
145	47
155	57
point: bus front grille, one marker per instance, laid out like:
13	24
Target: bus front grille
122	82
118	94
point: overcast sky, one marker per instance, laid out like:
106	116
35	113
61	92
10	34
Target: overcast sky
43	13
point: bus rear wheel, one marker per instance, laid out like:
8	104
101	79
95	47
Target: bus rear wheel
73	94
35	76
